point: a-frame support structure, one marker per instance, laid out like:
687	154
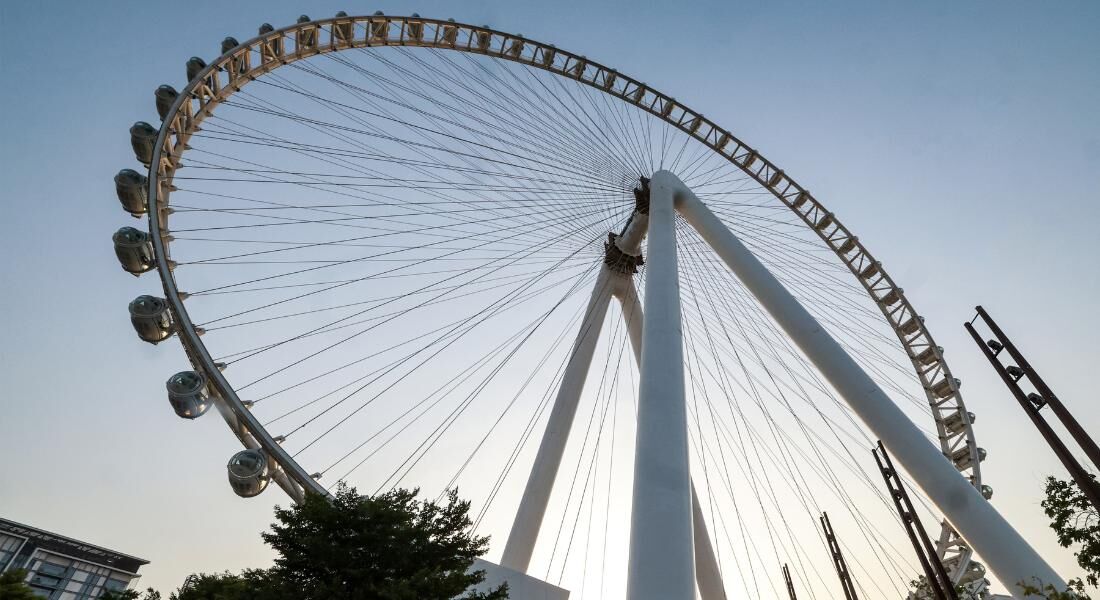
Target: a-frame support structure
670	556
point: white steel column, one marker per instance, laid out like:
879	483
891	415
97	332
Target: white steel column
532	508
632	314
662	556
1008	555
708	576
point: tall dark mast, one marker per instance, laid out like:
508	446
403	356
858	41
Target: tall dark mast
934	573
1034	402
838	560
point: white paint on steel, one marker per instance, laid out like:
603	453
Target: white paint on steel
532	507
661	564
1009	556
708	574
630	242
520	585
627	294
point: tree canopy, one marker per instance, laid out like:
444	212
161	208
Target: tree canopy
351	547
921	590
1076	522
14	587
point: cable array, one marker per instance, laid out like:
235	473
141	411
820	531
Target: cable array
391	250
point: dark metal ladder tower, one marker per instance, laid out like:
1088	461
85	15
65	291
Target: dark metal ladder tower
790	584
938	581
1033	403
838	560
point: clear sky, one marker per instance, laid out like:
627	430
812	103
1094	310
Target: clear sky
961	141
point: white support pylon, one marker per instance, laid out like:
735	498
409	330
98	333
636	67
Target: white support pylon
662	554
536	495
708	575
1008	555
627	294
532	507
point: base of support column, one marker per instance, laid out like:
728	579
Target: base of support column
520	585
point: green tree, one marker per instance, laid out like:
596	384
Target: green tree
13	586
1075	590
351	547
150	594
250	583
922	591
1076	522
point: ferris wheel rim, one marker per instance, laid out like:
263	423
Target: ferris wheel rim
209	88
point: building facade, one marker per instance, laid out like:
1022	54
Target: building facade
61	568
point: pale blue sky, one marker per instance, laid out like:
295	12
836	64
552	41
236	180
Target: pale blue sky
960	141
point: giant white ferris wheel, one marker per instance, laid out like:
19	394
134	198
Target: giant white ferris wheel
389	247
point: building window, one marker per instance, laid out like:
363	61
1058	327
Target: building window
49	577
63	569
9	545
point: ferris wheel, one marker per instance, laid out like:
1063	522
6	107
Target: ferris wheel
389	247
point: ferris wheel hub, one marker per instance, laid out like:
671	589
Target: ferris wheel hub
617	260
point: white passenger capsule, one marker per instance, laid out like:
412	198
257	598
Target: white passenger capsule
911	326
249	473
134	250
130	186
943	388
416	28
195	65
928	355
165	97
450	32
848	245
484	37
189	394
549	54
955	422
229	43
151	318
272	48
342	31
963	459
142	137
891	298
307	37
379	27
871	270
517	47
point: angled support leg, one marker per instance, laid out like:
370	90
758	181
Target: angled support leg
707	574
1009	556
532	508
